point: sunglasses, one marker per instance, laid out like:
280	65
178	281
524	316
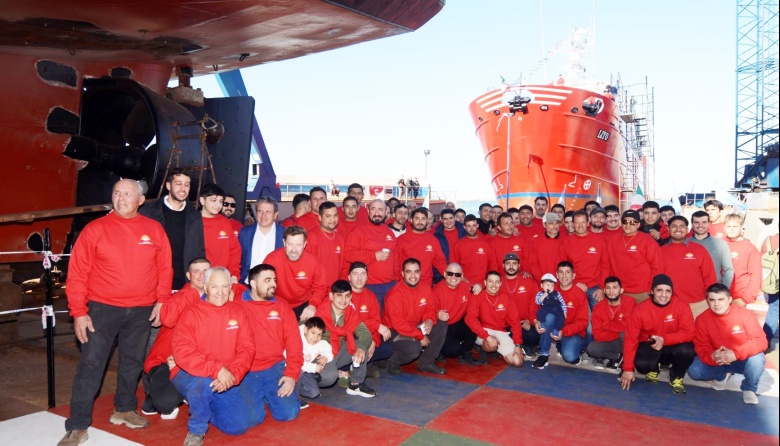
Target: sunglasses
231	205
629	222
450	273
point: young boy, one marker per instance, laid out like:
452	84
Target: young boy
316	353
552	307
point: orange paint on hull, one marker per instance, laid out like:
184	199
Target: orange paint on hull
554	151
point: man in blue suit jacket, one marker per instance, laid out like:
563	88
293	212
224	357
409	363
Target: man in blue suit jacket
259	240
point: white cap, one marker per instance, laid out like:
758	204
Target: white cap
549	278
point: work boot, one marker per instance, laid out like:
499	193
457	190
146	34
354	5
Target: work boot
193	439
131	419
73	438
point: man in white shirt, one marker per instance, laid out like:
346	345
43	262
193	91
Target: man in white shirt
257	241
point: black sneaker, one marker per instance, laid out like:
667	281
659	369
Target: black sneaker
304	404
598	363
441	358
468	359
483	357
361	390
614	364
317	377
433	368
541	362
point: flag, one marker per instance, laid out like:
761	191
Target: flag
638	200
562	198
426	203
598	195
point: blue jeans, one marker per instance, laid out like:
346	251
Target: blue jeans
222	409
770	326
261	387
380	290
131	326
570	348
752	368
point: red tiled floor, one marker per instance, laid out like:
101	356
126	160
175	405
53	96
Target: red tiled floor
479	375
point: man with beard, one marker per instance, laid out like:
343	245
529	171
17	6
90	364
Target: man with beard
652	224
540	208
717	248
300	274
612	226
527	228
451	298
506	242
182	223
609	320
634	257
401	216
474	253
311	220
522	291
413	323
588	253
326	243
423	246
598	217
374	244
368	309
228	210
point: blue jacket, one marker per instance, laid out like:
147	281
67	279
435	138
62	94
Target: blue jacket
245	238
439	234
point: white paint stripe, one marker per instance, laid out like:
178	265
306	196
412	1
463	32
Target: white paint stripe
46	429
494	101
554	90
487	96
551	96
545	102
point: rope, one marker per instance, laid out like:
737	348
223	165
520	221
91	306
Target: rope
46	311
48	256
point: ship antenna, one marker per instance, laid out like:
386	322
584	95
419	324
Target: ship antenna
544	53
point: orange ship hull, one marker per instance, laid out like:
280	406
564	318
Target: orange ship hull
556	148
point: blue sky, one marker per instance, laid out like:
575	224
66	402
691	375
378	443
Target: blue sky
373	108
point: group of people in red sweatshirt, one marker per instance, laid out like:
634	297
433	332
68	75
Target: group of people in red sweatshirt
638	293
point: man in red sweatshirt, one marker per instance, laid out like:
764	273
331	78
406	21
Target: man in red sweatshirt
545	249
423	246
368	309
528	227
355	190
505	242
588	253
609	320
634	257
120	265
299	273
279	357
492	315
571	338
413	323
451	298
327	243
213	348
688	264
522	291
714	209
348	216
748	272
660	330
374	244
222	247
728	340
474	253
301	206
310	220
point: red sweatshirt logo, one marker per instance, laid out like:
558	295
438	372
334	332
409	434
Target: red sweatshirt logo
669	318
301	275
428	248
232	324
500	307
389	237
592	250
570	304
145	240
737	330
734	255
464	299
515	248
338	249
480	251
690	256
423	302
273	315
363	309
522	289
222	235
632	248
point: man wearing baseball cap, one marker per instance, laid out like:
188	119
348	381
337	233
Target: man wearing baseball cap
634	257
660	331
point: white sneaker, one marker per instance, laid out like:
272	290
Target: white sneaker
749	397
170	416
722	384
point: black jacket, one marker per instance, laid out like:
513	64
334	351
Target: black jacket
194	246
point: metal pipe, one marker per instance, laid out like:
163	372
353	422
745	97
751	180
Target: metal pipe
49	330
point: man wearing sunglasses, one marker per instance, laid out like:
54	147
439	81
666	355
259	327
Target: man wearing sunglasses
228	210
634	257
451	298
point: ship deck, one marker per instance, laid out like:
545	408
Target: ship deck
492	404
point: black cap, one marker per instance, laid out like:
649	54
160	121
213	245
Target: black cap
631	214
598	211
662	279
511	256
357	265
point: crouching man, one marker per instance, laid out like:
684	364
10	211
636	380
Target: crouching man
213	348
728	340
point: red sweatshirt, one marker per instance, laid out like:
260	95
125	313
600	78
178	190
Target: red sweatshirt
589	256
609	322
328	249
120	262
425	248
308	221
292	220
522	291
716	230
222	247
363	243
476	257
673	322
406	308
367	307
530	232
636	260
300	281
545	256
207	338
516	244
346	227
690	267
236	225
576	311
452	238
493	312
275	330
454	301
748	271
737	330
361	217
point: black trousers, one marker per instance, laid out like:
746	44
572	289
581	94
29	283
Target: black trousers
680	356
406	349
459	340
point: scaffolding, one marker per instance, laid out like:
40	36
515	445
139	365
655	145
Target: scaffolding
757	83
636	103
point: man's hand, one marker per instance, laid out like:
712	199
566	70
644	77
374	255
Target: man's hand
425	341
384	331
557	338
382	255
155	317
538	327
443	315
525	324
370	352
582	286
490	344
428	325
724	356
527	275
739	302
224	381
476	288
171	362
626	379
286	386
308	312
80	325
321	360
658	344
598	295
655	234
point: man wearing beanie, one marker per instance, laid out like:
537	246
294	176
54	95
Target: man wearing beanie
660	330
